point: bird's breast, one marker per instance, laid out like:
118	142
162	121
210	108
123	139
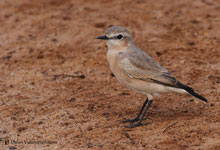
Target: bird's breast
113	59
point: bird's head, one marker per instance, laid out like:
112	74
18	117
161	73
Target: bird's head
117	38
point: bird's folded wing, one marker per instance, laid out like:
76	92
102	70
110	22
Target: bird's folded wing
144	67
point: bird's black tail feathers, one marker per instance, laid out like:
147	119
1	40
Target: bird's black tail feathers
190	91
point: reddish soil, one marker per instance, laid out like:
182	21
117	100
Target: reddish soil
56	85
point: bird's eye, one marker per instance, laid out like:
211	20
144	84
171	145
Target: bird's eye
119	36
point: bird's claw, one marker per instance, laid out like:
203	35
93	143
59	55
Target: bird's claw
136	124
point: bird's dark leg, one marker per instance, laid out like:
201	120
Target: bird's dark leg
139	123
137	118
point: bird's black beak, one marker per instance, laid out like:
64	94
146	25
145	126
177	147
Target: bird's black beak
104	37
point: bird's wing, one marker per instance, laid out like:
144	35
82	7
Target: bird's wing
140	65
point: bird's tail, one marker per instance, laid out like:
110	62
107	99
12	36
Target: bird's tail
190	91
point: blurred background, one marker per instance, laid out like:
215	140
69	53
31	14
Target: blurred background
56	85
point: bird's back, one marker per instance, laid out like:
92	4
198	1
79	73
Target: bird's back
138	64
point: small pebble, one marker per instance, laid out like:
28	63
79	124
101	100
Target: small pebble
89	145
72	99
112	75
185	111
40	122
21	129
125	93
191	100
54	40
191	43
12	147
212	105
71	117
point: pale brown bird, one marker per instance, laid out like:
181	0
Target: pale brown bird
138	71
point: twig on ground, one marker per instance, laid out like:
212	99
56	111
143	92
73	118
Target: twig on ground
69	76
170	126
129	137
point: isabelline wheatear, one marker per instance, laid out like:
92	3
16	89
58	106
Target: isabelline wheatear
138	71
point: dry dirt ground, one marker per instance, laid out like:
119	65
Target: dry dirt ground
57	91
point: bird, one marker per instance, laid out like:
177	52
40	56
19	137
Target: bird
138	71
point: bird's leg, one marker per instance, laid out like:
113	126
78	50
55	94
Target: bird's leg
137	118
139	123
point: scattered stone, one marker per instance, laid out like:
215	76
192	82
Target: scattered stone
40	56
21	129
72	99
66	123
12	147
185	111
13	118
191	100
91	107
54	40
100	145
89	145
89	128
66	18
6	57
82	76
112	75
100	25
125	93
7	15
106	114
191	43
40	122
158	53
71	117
195	21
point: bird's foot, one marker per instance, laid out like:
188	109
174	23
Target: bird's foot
137	124
131	120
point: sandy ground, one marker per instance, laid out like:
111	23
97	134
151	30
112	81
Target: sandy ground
56	88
